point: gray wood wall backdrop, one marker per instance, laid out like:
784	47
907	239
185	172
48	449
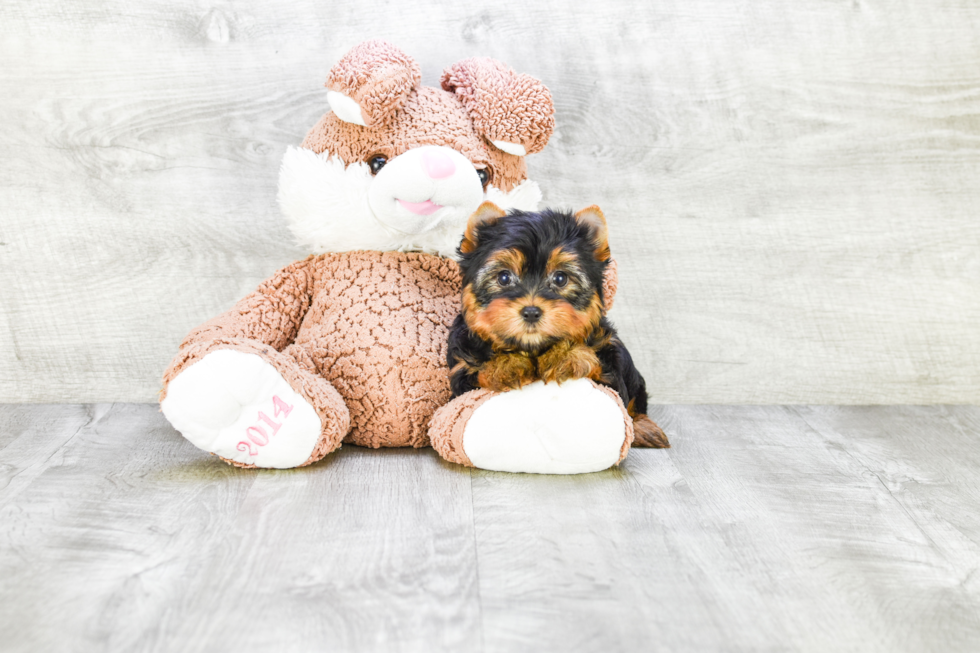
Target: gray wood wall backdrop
792	185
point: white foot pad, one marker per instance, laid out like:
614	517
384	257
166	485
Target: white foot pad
238	406
543	428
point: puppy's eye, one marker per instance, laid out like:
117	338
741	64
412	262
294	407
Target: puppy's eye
484	175
559	279
376	163
505	278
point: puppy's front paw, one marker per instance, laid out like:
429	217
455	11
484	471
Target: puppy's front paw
507	372
567	360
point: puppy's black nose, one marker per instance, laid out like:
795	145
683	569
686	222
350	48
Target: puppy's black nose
531	314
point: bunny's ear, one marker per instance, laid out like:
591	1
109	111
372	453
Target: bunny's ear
370	84
514	112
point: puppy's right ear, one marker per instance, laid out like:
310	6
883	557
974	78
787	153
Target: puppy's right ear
488	213
370	84
592	217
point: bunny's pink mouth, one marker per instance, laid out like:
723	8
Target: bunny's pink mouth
428	207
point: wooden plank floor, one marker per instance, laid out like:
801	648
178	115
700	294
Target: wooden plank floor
764	529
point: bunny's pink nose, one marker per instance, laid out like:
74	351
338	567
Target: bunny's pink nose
437	164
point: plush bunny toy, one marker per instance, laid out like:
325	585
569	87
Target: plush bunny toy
349	345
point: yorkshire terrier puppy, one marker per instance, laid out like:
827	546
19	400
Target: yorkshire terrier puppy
533	309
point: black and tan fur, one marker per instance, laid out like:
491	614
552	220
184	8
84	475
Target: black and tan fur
533	309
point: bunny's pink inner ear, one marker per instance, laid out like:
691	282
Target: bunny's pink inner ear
514	112
370	84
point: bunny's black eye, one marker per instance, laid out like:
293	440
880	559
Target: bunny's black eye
505	278
376	163
484	175
559	279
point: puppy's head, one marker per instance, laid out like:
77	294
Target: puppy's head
531	279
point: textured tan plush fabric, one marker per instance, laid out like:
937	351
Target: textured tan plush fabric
610	283
372	325
378	76
430	116
504	106
449	425
481	100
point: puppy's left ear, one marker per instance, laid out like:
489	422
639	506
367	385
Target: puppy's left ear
592	218
488	213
